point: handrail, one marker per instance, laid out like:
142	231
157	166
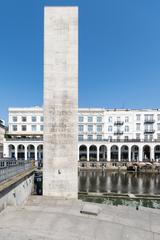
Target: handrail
12	167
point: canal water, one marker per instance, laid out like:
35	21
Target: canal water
119	182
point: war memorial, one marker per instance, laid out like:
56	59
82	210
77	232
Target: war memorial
60	102
58	214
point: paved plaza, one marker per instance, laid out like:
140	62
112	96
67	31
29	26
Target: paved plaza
47	218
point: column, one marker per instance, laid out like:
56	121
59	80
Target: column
35	147
119	154
108	154
87	154
5	150
140	154
25	152
129	154
16	154
152	153
97	154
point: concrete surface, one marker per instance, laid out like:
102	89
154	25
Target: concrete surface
60	177
47	218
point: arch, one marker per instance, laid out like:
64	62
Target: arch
21	152
124	153
114	153
146	153
11	149
157	152
92	153
102	153
40	152
83	153
31	152
134	153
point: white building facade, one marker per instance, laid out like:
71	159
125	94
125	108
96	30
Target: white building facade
2	133
110	135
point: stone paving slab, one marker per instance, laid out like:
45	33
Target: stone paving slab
48	218
90	209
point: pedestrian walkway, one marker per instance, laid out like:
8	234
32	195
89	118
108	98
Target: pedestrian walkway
48	218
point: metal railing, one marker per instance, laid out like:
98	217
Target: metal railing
120	140
11	167
118	132
118	123
149	121
149	131
25	139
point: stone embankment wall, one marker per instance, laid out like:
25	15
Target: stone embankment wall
16	191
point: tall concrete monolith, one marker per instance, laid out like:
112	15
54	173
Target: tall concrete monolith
60	178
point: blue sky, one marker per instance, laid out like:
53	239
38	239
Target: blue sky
119	53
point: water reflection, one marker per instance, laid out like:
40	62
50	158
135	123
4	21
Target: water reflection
119	182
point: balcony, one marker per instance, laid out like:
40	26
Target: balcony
118	123
149	121
118	132
149	131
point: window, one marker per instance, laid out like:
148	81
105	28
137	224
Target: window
118	138
14	119
126	119
90	137
24	128
14	127
126	128
81	128
41	128
110	119
149	128
34	128
145	137
137	135
110	129
34	119
158	117
110	138
90	119
148	117
138	117
99	137
158	136
81	118
99	119
41	118
158	126
138	126
151	137
80	137
126	138
90	128
99	128
24	119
